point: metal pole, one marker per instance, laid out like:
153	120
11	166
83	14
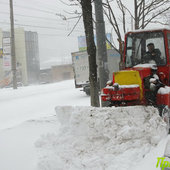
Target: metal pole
101	46
13	58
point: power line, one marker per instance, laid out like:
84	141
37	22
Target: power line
40	3
62	23
35	26
35	9
28	16
43	18
64	18
45	11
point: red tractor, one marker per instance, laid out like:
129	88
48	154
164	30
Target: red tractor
145	79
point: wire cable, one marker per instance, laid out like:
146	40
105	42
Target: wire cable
35	9
43	27
28	16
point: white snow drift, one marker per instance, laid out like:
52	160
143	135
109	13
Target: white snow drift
101	138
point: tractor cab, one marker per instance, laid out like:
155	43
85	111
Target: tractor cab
149	47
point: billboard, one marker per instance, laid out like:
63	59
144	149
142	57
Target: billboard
6	41
83	46
6	53
7	62
1	52
82	43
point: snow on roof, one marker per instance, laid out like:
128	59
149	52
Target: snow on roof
148	30
123	86
145	65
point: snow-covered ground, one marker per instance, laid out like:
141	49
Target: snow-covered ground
26	114
35	137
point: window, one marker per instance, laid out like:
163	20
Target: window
169	44
129	52
137	47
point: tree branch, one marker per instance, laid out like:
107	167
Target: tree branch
74	26
153	17
113	46
115	20
121	7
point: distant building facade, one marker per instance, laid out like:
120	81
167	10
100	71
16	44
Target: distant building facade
56	73
62	72
27	57
32	56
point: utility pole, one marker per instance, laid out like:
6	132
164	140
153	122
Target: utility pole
13	58
101	46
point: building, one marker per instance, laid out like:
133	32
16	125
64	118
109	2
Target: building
32	56
27	57
56	73
62	72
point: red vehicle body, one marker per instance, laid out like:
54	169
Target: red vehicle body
141	83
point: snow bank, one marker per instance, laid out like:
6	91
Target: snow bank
100	138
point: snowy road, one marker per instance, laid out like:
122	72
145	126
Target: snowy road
28	113
17	106
17	144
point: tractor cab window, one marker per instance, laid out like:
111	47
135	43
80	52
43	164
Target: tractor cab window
144	48
129	52
169	44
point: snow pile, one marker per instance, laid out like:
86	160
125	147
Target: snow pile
100	138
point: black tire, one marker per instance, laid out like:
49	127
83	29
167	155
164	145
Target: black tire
87	93
86	89
166	117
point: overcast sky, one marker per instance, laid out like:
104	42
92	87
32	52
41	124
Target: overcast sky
40	15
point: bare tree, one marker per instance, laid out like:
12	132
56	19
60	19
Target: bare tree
86	6
91	50
143	13
147	12
166	18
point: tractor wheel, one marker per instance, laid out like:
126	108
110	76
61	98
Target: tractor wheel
166	117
